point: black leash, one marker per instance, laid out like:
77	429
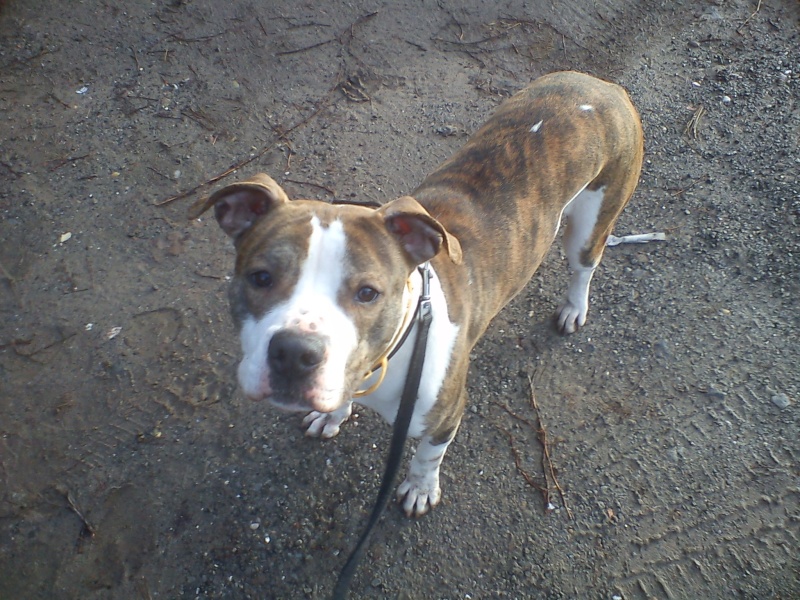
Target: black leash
399	435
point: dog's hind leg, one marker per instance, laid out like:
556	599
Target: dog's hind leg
590	218
582	213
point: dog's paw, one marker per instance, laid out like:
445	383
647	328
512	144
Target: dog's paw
326	425
418	495
571	316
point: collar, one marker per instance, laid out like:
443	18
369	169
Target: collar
403	329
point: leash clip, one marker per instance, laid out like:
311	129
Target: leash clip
425	296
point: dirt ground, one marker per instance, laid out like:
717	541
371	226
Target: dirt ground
131	467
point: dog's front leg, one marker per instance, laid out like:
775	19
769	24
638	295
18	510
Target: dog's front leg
420	491
326	425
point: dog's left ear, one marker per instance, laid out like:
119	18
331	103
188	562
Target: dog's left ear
420	235
239	205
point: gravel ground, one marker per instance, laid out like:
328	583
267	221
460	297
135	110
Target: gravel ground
130	467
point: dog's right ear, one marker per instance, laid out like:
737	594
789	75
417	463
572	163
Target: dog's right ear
237	206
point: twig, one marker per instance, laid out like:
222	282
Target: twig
54	165
539	25
691	126
491	38
316	185
679	191
637	238
46	347
520	418
11	281
20	61
207	276
317	109
247	161
216	178
748	19
517	459
261	25
14	343
351	30
144	589
295	24
353	89
136	60
311	47
179	38
529	479
59	100
547	461
11	169
157	172
634	389
417	46
87	527
200	118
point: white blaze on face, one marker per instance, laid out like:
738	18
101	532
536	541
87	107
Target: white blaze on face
313	308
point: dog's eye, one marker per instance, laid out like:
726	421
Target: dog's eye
260	279
367	294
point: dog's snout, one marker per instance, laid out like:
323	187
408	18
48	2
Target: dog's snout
294	354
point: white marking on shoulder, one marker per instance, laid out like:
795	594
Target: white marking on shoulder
586	107
536	127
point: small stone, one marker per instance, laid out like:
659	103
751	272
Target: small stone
726	100
781	400
715	393
661	348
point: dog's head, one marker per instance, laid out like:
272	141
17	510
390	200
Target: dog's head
319	290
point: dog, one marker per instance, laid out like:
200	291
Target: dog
323	294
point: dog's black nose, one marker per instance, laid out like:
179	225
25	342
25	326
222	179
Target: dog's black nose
294	354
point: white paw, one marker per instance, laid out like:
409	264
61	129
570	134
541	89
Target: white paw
419	495
571	316
326	425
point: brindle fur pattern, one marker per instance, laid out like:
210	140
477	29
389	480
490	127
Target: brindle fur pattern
502	195
493	209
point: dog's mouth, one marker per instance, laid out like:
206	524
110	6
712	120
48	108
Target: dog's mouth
304	397
297	369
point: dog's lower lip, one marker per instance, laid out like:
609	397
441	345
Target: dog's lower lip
289	406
